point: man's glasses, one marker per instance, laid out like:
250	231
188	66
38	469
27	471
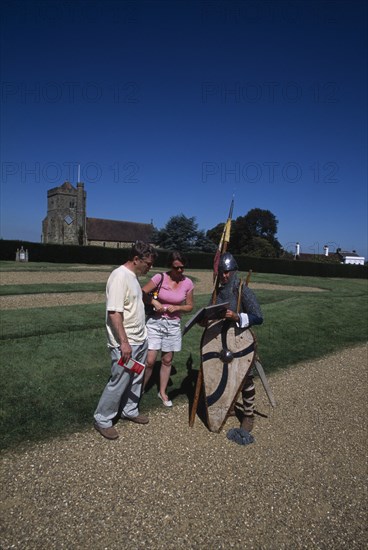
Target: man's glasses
148	264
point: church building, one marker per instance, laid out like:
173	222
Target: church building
66	222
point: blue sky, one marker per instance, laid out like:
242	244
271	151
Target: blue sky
173	106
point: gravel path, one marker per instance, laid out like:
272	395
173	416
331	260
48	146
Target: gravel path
203	285
27	301
302	484
37	277
204	279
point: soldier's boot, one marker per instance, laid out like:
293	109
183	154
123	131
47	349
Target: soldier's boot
247	423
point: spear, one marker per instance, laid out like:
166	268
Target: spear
221	249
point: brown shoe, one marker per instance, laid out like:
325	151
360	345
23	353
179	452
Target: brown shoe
109	433
247	423
140	419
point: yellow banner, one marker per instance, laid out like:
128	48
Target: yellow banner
227	231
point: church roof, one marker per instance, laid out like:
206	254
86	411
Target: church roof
67	186
350	254
331	258
118	231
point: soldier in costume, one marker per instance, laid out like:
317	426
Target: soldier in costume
249	314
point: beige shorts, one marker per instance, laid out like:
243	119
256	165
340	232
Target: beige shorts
164	334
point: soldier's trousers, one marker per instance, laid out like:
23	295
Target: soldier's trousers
249	396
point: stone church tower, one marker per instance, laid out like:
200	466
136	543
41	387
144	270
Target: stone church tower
65	222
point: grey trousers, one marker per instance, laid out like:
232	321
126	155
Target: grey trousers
123	391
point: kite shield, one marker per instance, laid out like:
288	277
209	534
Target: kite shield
227	354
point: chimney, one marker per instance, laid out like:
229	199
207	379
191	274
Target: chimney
325	248
297	249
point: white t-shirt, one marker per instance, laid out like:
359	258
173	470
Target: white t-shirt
124	294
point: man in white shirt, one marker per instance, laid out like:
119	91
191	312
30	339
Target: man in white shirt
127	339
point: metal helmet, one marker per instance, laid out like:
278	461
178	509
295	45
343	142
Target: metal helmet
227	263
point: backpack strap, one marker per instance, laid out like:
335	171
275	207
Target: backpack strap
160	283
154	292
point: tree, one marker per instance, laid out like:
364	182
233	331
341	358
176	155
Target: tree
215	233
181	233
203	243
241	237
254	234
261	223
261	248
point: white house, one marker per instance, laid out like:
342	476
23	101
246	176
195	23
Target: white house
340	256
351	258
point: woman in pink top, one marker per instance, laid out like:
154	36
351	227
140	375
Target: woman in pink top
163	326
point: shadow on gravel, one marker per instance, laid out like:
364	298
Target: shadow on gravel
187	387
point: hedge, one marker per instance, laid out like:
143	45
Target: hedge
293	267
39	252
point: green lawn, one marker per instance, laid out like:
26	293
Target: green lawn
54	361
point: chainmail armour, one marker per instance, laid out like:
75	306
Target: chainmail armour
229	293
